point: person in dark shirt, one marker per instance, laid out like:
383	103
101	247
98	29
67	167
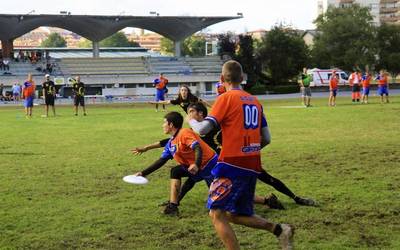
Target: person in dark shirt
49	94
184	99
78	91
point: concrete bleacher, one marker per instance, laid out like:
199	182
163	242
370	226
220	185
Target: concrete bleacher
103	66
204	64
169	65
24	68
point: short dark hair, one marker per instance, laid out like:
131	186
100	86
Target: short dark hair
175	118
199	107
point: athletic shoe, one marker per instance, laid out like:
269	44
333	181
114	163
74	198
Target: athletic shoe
306	202
286	237
272	202
171	209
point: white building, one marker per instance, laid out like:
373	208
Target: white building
383	11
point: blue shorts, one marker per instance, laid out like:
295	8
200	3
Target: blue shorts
205	173
160	95
28	103
334	92
365	90
382	90
234	195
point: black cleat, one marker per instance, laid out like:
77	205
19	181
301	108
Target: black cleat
272	202
171	209
306	202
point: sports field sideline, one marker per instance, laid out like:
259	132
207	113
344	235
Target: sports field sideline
61	179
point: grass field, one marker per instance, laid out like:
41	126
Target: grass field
61	187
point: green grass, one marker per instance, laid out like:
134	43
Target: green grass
61	186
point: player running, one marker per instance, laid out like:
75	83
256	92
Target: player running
240	117
195	157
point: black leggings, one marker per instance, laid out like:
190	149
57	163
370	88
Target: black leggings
177	173
275	183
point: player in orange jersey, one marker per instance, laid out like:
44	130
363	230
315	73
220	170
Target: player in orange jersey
240	117
28	93
366	81
333	87
383	85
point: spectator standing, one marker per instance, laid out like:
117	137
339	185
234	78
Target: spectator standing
6	64
16	92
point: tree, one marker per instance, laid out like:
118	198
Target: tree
167	46
389	48
345	39
226	44
84	43
192	46
283	54
245	56
118	40
54	40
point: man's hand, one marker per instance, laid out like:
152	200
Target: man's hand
138	151
138	174
193	169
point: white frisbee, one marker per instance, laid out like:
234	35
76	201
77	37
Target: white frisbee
134	179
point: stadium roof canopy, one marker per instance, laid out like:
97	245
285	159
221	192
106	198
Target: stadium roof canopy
96	28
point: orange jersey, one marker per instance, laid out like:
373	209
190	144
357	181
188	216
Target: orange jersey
366	81
162	84
220	88
29	89
333	83
241	118
181	147
383	80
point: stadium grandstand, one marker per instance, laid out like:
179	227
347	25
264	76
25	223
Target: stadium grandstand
120	72
110	71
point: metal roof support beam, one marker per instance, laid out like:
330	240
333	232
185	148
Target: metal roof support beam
178	52
96	49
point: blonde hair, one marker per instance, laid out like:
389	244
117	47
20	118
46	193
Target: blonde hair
232	72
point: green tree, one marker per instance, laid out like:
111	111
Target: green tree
191	46
389	48
245	56
54	40
283	54
346	39
119	39
167	46
84	43
226	44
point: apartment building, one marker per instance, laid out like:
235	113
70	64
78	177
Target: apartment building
383	11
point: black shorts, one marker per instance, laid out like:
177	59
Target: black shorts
49	100
79	100
356	88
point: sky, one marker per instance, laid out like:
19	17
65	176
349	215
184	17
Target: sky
257	14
